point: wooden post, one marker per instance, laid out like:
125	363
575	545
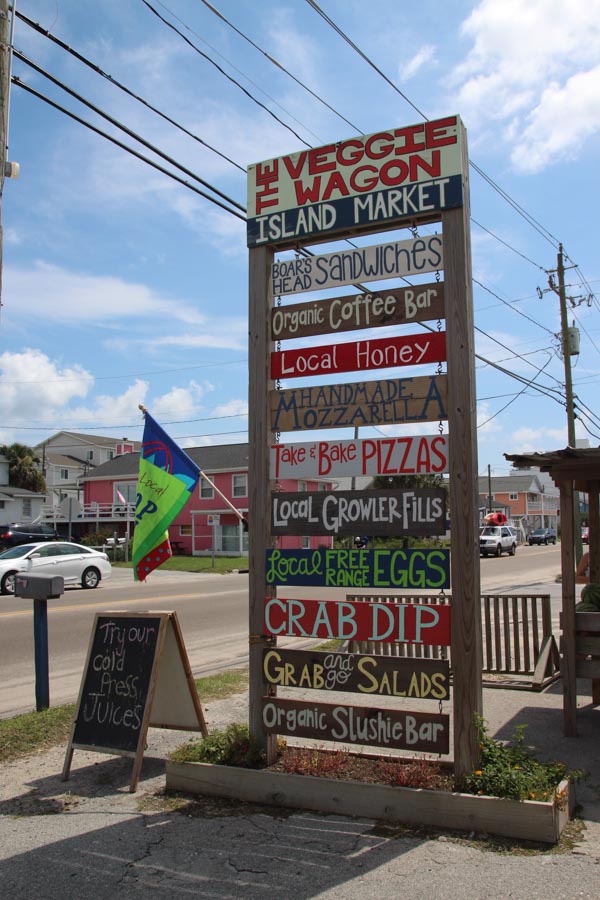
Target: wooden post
260	438
464	500
567	643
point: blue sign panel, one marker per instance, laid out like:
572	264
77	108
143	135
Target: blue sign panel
355	568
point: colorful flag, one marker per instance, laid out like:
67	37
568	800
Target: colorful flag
166	479
121	497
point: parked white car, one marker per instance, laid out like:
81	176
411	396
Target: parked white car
497	539
77	564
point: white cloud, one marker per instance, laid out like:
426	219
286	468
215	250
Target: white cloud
531	77
408	69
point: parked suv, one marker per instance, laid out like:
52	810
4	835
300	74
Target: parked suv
13	535
542	536
496	539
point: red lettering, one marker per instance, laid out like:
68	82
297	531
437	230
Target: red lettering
308	194
355	155
335	183
436	133
387	176
317	160
410	144
294	170
366	184
407	442
384	150
440	440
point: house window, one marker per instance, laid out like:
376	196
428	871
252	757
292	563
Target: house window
185	530
128	489
321	486
240	485
2	504
64	474
89	454
27	507
305	542
206	490
302	486
111	454
513	496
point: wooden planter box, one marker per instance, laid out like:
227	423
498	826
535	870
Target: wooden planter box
526	819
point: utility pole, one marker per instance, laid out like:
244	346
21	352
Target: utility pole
566	350
4	90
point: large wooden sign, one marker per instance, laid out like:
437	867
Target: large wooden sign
390	512
357	356
394	306
427	679
369	179
425	623
137	674
398	259
390	728
420	399
422	454
413	569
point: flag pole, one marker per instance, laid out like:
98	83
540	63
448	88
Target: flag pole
239	514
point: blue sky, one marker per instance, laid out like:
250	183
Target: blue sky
121	286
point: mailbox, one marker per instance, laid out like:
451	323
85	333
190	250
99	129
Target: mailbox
39	587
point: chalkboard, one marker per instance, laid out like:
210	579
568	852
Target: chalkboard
117	680
137	674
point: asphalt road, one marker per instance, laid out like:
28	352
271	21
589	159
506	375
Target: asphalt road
212	611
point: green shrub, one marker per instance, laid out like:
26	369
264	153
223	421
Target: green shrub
231	746
511	770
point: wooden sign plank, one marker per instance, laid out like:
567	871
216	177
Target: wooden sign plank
421	511
124	673
397	259
390	728
360	356
394	306
380	568
422	454
360	403
424	623
427	679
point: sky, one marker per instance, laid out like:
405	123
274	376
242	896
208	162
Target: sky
123	286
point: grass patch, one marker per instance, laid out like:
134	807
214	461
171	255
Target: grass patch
223	565
29	733
35	731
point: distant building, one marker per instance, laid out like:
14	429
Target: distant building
17	504
109	501
67	458
529	499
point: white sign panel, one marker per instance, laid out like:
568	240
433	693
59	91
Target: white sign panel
367	180
406	455
394	260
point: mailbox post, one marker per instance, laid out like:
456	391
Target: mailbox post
40	589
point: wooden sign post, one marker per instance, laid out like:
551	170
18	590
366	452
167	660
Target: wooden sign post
137	675
418	174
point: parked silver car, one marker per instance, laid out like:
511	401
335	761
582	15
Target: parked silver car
77	564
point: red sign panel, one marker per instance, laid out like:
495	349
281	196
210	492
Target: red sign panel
358	356
427	624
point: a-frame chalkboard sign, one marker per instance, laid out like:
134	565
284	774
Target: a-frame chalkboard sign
137	675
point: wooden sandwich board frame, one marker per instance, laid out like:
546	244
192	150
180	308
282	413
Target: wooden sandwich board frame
171	700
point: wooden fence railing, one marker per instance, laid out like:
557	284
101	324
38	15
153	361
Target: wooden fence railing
517	638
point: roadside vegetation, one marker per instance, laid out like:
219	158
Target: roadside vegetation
36	731
223	564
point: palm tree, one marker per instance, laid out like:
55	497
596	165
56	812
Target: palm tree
23	467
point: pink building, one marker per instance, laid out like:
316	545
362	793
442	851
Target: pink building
110	500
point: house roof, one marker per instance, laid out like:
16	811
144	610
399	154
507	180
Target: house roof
61	459
511	484
221	458
94	439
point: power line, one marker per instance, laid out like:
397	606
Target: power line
95	68
222	71
16	81
126	130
